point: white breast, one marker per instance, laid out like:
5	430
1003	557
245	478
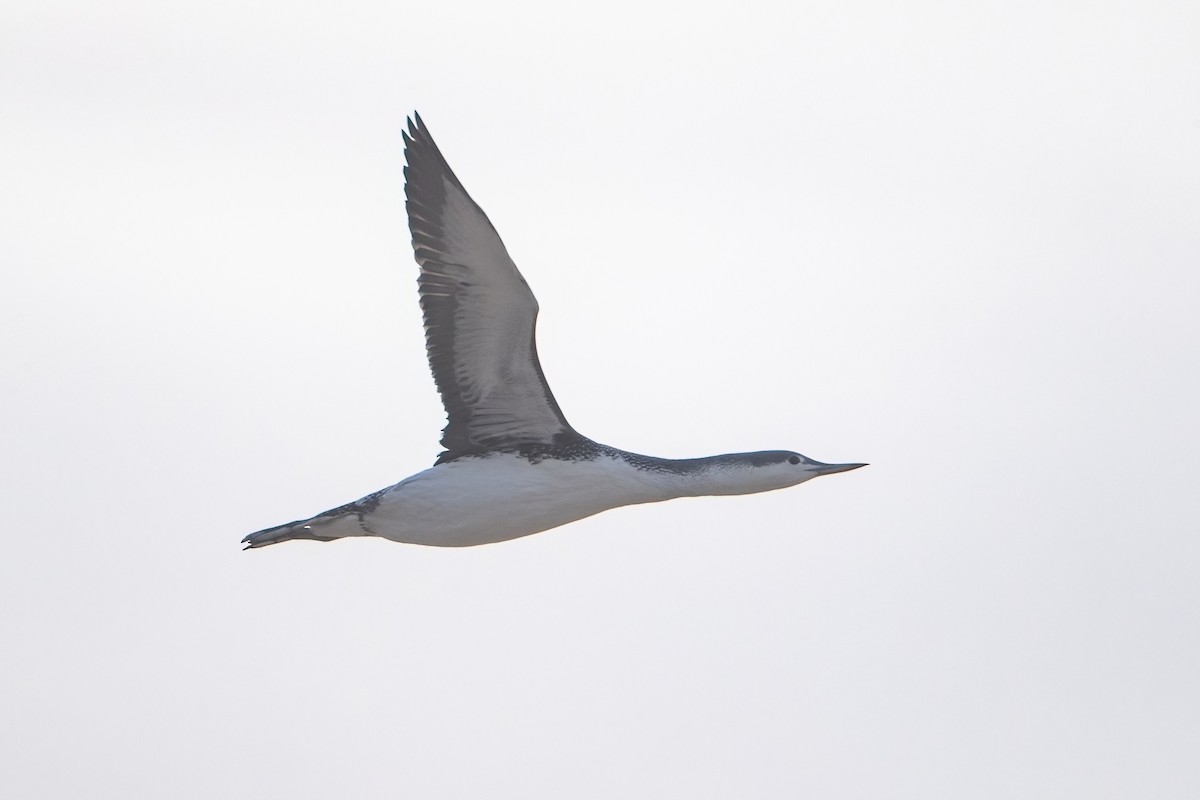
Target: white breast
497	497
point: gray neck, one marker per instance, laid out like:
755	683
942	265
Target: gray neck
726	474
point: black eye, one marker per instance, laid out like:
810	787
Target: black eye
793	459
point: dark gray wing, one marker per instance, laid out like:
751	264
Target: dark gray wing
480	315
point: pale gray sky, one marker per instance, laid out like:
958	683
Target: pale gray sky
958	241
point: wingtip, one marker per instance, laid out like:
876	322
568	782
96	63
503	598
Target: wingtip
414	132
415	125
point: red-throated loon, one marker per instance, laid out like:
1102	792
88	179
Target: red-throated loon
513	465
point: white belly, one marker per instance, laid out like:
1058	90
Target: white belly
498	497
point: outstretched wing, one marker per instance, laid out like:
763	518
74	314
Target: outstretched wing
480	315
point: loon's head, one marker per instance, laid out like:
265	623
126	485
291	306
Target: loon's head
746	473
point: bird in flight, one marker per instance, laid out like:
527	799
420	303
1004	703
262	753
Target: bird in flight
512	464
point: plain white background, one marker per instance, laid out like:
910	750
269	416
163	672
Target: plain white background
956	240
